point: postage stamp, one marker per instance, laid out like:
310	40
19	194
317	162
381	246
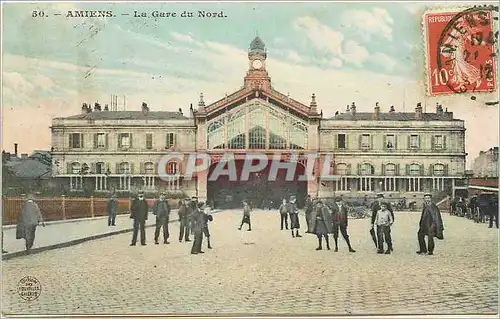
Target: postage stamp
249	159
461	50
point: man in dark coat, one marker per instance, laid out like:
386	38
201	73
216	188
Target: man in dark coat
112	208
184	220
431	225
161	209
376	206
139	213
198	224
339	218
27	221
320	224
284	213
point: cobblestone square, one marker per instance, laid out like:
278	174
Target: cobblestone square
265	271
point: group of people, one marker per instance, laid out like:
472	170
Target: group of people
322	218
477	207
326	217
193	218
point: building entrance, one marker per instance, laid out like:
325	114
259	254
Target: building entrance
259	190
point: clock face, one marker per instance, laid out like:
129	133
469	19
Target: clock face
257	64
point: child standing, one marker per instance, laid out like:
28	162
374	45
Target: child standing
246	216
384	221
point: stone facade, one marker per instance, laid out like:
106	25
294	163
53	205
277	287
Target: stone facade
486	164
401	154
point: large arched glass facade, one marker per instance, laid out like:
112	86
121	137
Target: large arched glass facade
257	126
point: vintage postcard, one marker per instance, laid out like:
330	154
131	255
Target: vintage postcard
250	159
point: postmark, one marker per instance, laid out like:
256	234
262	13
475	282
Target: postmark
460	50
29	288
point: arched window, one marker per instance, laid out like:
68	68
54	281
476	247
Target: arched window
236	130
75	168
124	168
414	169
390	169
172	168
215	135
366	169
438	170
298	136
341	169
149	168
257	129
278	130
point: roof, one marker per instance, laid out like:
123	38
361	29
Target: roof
30	168
396	116
124	115
257	44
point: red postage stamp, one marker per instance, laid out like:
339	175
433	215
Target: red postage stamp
460	51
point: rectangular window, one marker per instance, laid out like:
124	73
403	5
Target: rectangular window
389	142
100	168
124	140
171	140
414	141
76	140
365	141
101	140
341	141
149	141
438	142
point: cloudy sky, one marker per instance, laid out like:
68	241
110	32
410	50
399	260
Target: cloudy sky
362	52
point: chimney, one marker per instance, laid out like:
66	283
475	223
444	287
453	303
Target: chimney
180	111
84	108
377	112
418	111
313	105
353	109
347	108
392	109
97	107
144	107
15	149
106	108
439	109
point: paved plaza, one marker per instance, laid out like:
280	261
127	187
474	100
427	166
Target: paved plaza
265	271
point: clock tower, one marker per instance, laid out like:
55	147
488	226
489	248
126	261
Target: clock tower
257	76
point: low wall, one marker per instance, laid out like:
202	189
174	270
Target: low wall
60	208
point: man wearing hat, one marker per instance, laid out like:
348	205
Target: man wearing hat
184	220
431	225
29	218
139	213
198	223
339	218
161	209
112	208
376	206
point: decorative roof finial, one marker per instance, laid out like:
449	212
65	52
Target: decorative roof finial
201	103
313	104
